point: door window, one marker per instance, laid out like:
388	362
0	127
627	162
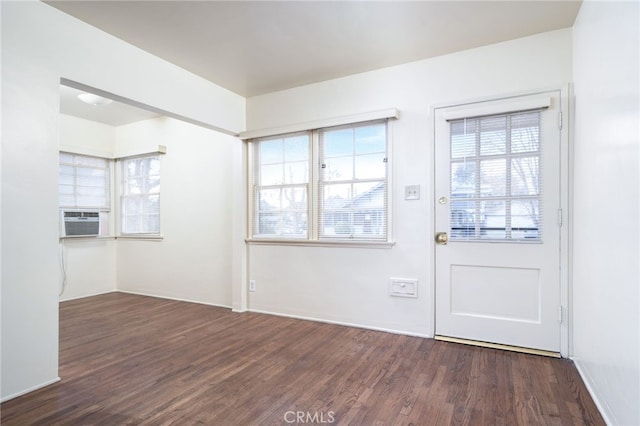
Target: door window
495	187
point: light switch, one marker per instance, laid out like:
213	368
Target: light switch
412	192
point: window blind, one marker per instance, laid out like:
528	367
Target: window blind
496	181
84	182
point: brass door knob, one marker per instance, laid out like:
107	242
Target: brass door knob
442	238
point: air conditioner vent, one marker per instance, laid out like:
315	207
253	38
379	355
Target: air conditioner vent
80	223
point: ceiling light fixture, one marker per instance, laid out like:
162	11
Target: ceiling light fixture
92	99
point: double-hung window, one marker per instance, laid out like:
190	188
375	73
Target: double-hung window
328	184
84	182
352	187
282	186
140	199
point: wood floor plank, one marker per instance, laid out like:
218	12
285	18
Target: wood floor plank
136	360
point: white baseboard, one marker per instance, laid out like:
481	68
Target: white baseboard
588	382
31	389
346	324
87	295
178	299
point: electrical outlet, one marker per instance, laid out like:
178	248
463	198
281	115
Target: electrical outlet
412	192
252	285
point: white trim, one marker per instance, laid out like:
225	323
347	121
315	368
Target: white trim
86	151
566	165
177	299
342	323
162	150
321	243
141	237
586	379
131	102
31	389
320	124
87	295
502	106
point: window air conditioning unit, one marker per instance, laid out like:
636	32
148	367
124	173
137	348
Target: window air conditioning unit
80	223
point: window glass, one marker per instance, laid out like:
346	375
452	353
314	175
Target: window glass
140	200
495	186
349	198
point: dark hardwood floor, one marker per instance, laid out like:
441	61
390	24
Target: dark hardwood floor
128	359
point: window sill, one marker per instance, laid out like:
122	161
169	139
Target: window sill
87	237
321	243
141	237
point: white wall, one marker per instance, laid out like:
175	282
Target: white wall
40	45
86	137
194	259
606	219
349	285
89	264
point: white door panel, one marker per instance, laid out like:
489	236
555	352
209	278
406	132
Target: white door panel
497	198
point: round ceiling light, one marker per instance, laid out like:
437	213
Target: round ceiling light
91	99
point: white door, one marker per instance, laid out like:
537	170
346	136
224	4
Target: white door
497	207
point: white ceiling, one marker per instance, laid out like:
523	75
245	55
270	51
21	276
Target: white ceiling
113	114
257	47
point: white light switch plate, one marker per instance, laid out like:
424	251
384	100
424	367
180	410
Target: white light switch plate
412	192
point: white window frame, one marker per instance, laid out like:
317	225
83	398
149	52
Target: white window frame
124	195
314	214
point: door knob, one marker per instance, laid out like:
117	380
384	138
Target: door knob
442	238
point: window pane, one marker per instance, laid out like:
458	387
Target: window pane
296	148
370	166
337	143
525	219
354	210
462	218
463	138
463	179
271	151
294	198
493	174
493	135
141	196
282	212
271	174
525	174
525	132
269	199
370	139
340	168
297	172
495	214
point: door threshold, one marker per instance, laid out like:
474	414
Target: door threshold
498	346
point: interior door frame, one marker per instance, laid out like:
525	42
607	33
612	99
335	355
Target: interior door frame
566	184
